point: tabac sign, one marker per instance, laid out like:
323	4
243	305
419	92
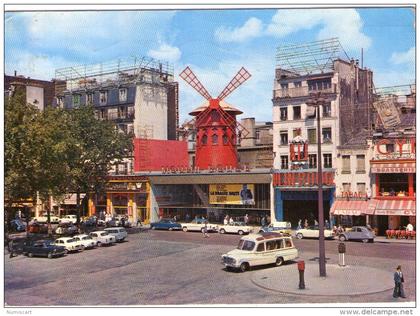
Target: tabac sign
302	179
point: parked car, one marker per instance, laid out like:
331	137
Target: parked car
118	232
43	248
198	225
85	240
313	232
66	229
362	233
69	243
235	228
284	228
260	249
44	219
166	223
68	219
37	228
18	225
102	238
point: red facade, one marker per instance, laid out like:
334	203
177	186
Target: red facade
216	138
153	154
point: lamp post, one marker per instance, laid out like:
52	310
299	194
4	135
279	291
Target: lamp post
316	100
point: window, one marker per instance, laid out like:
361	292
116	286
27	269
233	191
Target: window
122	94
296	132
279	243
283	114
390	148
257	135
327	160
346	187
312	135
312	161
103	114
326	135
360	164
260	247
361	187
76	100
323	84
122	112
287	243
214	139
271	245
326	110
297	84
103	97
225	139
204	140
284	86
89	98
345	164
296	113
284	138
284	162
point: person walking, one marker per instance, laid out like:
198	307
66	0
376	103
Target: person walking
187	217
225	220
205	232
399	280
305	223
263	221
231	221
246	219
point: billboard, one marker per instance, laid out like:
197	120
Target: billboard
238	194
388	112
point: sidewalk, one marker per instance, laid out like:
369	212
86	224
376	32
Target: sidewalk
383	239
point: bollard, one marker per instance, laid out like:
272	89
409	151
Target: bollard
301	268
341	252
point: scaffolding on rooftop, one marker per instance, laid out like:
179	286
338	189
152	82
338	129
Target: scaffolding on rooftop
120	71
401	90
311	57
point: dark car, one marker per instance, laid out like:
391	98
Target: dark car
362	233
42	248
18	225
166	223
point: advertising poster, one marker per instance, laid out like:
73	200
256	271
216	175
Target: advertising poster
238	194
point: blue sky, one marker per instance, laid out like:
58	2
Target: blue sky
214	43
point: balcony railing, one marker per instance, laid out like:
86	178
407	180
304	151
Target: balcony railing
300	92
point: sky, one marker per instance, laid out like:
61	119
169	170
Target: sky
215	44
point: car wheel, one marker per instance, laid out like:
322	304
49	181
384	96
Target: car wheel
50	256
365	240
99	244
82	248
299	236
279	261
240	232
30	254
222	231
244	266
185	229
261	231
342	238
153	227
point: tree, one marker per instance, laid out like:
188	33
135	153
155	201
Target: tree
95	145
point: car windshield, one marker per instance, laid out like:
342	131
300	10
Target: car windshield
246	245
71	240
104	234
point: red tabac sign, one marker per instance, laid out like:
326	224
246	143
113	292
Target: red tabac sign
302	179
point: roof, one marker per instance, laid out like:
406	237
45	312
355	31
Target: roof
224	105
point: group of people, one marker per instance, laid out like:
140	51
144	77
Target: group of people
230	220
306	224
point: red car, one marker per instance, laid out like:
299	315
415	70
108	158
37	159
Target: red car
37	228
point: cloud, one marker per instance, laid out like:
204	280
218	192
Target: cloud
165	52
407	57
346	24
252	28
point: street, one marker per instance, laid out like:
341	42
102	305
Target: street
177	268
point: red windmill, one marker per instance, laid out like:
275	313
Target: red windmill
215	124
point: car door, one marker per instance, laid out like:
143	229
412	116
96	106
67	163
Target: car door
288	251
270	252
258	257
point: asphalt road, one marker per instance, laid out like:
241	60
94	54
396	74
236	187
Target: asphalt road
177	268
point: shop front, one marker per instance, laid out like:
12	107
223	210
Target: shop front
296	195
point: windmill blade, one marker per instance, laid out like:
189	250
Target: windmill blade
190	78
240	129
241	76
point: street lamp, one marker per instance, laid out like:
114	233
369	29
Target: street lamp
316	100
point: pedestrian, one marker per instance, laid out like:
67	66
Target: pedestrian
231	221
123	221
409	227
187	217
263	221
327	225
305	223
399	280
175	218
225	220
205	232
315	223
246	219
299	226
138	222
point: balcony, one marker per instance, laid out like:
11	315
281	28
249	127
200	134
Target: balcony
301	92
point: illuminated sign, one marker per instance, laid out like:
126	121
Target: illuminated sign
228	169
382	152
238	194
302	179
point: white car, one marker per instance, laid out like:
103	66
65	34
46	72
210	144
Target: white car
69	243
198	225
102	238
313	232
44	218
85	240
68	219
260	249
235	228
118	232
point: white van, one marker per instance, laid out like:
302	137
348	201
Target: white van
260	249
118	232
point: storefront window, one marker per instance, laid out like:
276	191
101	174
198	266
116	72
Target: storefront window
393	184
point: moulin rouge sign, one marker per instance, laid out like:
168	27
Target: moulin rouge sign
399	152
302	179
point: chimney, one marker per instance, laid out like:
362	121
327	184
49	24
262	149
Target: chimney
15	73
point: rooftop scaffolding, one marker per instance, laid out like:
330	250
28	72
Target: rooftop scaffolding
121	71
402	90
308	58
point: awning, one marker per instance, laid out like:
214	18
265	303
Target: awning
393	167
353	207
396	207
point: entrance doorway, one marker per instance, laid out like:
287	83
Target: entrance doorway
304	209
